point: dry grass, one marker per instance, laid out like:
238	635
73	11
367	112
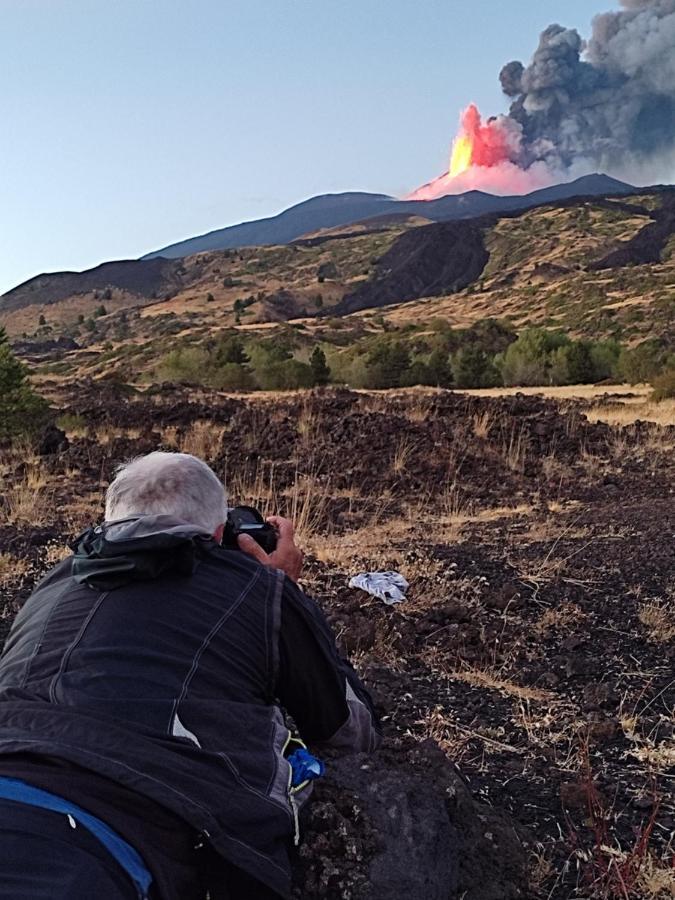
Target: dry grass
437	725
11	569
304	502
402	453
563	392
628	411
308	425
658	617
564	617
656	880
514	449
27	499
482	423
493	680
106	435
201	438
421	410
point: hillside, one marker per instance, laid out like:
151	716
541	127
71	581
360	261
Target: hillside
332	210
595	268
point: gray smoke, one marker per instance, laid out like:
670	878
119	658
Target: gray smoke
606	104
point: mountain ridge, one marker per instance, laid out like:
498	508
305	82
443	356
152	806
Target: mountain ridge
344	209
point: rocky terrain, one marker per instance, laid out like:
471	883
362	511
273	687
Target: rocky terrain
525	685
594	267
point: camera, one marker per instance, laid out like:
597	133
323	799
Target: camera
247	520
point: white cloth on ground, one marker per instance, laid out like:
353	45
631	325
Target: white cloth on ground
390	587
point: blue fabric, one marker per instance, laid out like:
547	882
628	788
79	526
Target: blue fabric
128	858
305	766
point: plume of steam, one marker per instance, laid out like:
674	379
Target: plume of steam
603	105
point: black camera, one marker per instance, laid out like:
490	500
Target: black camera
247	520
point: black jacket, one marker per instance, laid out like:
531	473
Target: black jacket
159	660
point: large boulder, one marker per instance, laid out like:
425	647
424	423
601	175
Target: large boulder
402	825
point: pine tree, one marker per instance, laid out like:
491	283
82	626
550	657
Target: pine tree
439	369
22	411
319	366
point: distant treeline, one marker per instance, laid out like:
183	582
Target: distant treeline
490	353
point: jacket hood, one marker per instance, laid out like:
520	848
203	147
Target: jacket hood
142	548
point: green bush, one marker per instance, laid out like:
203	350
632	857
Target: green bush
388	365
286	375
664	385
22	411
643	363
527	361
188	365
473	368
232	377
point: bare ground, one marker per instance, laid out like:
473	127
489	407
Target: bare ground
534	650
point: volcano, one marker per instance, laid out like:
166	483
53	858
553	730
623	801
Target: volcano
334	210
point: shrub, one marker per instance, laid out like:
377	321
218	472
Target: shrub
664	385
475	369
232	377
230	349
527	360
186	364
22	411
286	375
642	363
388	365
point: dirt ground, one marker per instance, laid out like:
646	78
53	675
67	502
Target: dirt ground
533	652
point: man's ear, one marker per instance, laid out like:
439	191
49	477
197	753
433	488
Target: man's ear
218	534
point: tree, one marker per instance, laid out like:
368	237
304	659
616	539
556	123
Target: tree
605	355
580	363
42	320
439	369
527	361
319	366
474	368
642	363
22	411
230	349
388	364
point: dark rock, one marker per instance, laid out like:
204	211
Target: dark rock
419	834
53	440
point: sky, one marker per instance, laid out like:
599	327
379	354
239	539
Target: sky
129	125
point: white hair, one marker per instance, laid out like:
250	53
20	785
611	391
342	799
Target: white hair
170	484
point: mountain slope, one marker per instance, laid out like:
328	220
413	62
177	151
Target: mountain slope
325	211
331	210
143	277
596	267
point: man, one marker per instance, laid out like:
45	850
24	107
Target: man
143	748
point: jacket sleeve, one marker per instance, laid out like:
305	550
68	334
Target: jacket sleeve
316	686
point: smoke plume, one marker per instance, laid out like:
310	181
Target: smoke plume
603	105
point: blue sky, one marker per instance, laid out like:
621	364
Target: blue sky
133	124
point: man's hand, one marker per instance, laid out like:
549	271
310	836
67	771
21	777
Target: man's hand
286	557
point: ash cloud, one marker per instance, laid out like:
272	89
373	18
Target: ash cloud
608	103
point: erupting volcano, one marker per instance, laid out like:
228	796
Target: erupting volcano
606	104
485	156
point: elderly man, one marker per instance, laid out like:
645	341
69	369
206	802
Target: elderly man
143	748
